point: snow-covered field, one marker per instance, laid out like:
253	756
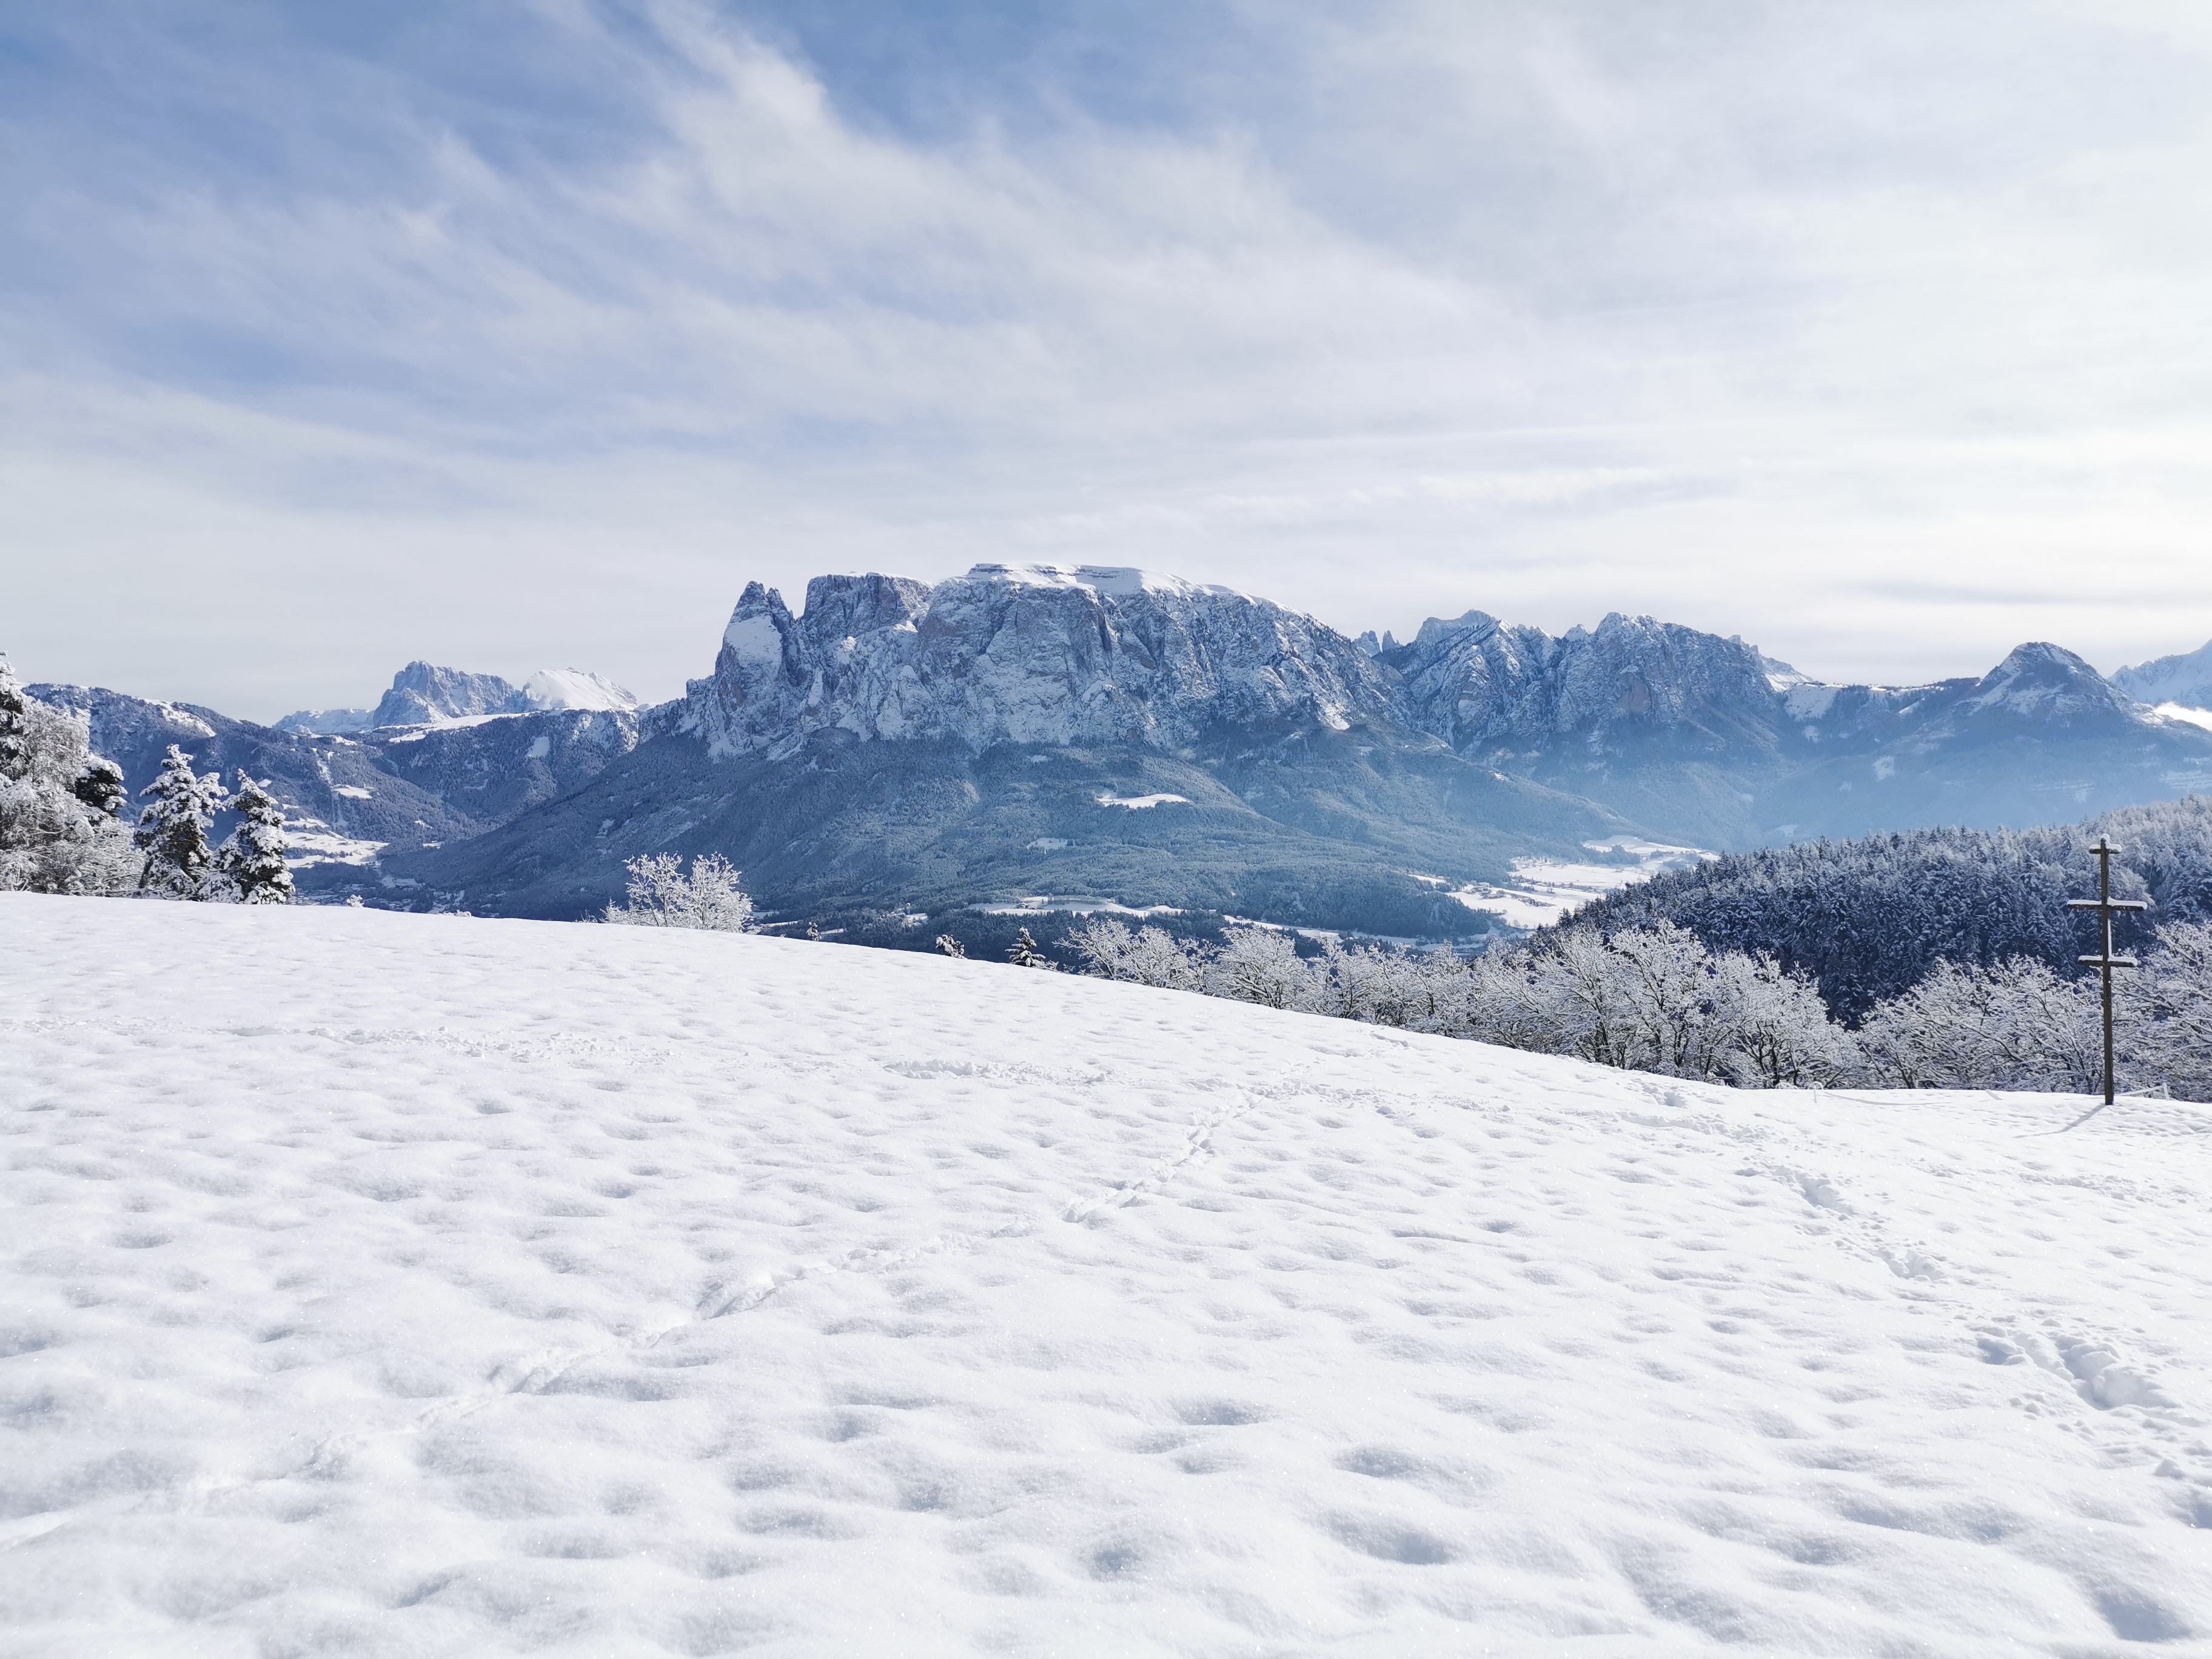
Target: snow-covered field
1543	890
380	1284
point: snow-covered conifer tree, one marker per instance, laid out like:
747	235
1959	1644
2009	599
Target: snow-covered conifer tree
1024	953
172	830
100	786
53	839
252	861
14	741
949	947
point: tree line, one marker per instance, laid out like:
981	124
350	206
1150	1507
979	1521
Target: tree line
62	827
1656	997
1867	919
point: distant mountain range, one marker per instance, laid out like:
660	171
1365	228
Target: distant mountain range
422	694
1105	735
2183	682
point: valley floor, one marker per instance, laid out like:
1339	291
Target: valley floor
384	1285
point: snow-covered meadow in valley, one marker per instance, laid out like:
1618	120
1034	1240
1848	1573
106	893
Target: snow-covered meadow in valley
389	1284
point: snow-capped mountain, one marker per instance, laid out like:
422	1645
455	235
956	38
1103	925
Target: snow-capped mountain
1023	654
424	693
571	687
2183	680
1026	730
1104	733
350	798
1703	737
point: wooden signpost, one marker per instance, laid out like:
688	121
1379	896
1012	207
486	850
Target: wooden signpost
2106	906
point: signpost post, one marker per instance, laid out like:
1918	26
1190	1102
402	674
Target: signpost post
2106	906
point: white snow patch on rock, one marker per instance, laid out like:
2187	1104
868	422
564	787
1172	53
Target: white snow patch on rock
571	687
754	640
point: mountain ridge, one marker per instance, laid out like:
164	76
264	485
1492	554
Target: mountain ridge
980	740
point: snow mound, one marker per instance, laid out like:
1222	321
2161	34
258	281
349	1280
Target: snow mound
416	1285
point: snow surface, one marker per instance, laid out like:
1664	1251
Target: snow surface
1140	803
1078	904
1120	581
385	1285
1544	891
451	723
311	842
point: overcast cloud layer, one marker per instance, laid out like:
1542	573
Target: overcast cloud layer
526	333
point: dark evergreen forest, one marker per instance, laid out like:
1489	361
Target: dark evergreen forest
1867	918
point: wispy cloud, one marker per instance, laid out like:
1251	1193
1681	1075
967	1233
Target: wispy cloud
512	334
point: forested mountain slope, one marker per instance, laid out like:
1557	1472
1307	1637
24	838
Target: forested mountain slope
1867	918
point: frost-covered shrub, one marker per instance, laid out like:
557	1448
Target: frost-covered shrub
2165	1009
1779	1034
1655	999
1261	965
661	896
1148	955
57	829
2016	1026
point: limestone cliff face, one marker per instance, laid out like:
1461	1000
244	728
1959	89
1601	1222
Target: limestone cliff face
1487	686
1026	654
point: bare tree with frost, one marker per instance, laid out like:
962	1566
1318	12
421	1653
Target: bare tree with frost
1261	965
711	897
252	862
1780	1032
2168	1010
1677	1021
2016	1026
1148	955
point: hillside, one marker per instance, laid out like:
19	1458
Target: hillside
1867	918
382	1284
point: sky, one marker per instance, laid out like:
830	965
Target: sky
525	334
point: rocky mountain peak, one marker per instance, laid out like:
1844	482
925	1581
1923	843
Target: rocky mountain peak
423	692
1024	654
2185	679
2045	682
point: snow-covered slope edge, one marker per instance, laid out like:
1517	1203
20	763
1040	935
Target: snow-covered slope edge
381	1284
